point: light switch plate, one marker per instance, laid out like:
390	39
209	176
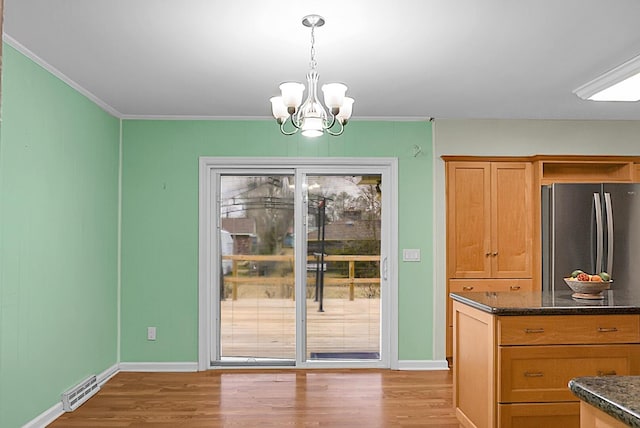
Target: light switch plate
411	255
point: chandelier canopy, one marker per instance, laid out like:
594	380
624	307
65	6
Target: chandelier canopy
311	117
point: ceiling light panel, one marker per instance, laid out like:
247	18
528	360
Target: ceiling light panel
620	84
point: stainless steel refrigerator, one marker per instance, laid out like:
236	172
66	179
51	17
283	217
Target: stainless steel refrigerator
592	227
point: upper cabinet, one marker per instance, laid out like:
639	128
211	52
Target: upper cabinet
585	169
489	219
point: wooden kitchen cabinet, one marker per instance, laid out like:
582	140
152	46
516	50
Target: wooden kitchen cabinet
489	219
493	211
513	371
489	227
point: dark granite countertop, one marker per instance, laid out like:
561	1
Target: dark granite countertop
617	396
547	303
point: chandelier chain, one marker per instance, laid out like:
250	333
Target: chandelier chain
313	63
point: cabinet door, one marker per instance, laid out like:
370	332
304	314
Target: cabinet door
536	415
511	220
469	219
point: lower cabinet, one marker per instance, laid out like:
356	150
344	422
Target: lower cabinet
514	371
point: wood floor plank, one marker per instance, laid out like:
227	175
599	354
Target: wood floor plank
271	398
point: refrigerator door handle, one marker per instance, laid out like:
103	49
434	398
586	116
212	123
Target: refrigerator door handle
599	231
607	203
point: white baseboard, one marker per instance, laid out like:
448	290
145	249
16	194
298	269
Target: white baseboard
423	365
46	417
57	410
186	366
104	377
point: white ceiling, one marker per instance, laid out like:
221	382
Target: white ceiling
400	59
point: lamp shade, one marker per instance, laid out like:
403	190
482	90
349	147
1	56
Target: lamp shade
278	108
334	94
346	109
292	93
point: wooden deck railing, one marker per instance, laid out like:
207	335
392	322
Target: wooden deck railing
289	280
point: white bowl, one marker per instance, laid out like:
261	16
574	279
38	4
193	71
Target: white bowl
587	287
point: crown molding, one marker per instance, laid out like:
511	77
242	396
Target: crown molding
190	117
60	75
269	118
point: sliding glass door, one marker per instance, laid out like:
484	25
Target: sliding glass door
344	219
257	295
296	261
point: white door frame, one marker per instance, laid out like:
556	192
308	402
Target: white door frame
209	251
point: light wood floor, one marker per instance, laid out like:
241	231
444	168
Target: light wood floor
271	398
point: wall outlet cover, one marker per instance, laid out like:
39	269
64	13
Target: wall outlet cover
411	255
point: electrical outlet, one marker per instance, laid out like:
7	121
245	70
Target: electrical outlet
151	333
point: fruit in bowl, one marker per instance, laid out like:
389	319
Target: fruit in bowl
588	286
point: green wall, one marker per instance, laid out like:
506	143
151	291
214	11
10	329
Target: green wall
59	156
58	239
160	222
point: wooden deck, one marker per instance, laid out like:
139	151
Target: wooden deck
265	328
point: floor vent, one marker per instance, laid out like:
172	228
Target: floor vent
73	398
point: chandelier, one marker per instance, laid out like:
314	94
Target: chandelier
311	117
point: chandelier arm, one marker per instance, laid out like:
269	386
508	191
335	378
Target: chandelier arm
295	129
335	134
333	121
295	120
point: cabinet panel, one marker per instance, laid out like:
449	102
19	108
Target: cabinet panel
469	221
542	373
512	218
475	371
536	415
591	417
569	330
